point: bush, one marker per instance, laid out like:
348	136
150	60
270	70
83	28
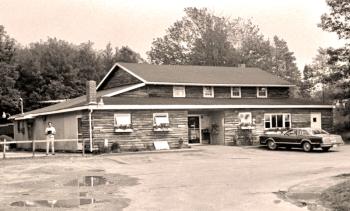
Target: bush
115	147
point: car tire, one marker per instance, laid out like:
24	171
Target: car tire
271	145
325	149
307	147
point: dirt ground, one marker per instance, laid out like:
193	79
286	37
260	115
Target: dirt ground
208	178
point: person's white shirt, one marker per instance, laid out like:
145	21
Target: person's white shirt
50	131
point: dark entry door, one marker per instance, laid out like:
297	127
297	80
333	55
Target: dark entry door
194	130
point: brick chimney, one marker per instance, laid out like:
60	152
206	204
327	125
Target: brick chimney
91	97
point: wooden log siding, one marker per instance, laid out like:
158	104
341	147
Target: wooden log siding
299	118
197	92
119	78
143	135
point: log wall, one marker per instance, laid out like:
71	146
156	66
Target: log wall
117	78
197	92
299	118
143	135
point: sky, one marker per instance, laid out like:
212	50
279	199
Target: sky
135	23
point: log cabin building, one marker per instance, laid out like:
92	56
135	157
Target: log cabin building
137	104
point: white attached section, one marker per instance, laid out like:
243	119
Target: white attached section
208	91
316	122
124	90
261	92
179	91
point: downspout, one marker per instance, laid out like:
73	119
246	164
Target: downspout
90	128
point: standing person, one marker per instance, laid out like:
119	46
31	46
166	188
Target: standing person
50	132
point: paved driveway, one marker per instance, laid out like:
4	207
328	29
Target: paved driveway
212	178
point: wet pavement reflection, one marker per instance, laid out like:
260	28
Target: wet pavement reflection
66	203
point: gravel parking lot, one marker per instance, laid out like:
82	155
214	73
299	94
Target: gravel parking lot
208	178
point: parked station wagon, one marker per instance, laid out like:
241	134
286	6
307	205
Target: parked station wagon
305	138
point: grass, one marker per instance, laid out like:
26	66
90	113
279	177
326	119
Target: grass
337	197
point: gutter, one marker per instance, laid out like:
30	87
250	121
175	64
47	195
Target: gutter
90	128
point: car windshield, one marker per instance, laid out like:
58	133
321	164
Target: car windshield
318	131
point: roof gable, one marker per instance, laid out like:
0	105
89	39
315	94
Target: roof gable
200	75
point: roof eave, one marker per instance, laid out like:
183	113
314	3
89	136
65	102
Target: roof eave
225	85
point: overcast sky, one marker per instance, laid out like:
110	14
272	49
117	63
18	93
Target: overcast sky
137	22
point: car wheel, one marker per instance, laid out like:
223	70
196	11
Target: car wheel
307	147
325	149
271	145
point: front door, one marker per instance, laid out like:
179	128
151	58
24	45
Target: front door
316	120
194	131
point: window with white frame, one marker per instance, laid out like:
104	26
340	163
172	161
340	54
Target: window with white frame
179	91
245	118
235	92
272	121
122	120
261	92
208	91
161	120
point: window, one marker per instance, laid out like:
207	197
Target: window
261	92
235	92
160	119
122	122
277	121
208	91
179	91
245	118
161	122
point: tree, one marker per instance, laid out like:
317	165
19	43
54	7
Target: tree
202	38
283	61
9	95
58	68
338	20
338	62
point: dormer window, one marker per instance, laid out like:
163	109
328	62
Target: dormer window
236	92
179	91
208	91
261	92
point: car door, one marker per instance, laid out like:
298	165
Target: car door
290	137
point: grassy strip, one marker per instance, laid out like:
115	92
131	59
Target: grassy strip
337	197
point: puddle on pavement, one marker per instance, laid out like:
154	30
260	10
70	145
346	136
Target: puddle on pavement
90	181
66	203
343	175
86	193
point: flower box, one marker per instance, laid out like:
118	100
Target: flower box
162	127
118	130
123	129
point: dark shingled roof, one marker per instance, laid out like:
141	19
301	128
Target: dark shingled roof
71	103
190	74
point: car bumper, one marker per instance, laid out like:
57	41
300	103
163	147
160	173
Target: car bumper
332	145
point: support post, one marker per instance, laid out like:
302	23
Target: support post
4	149
83	148
33	148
